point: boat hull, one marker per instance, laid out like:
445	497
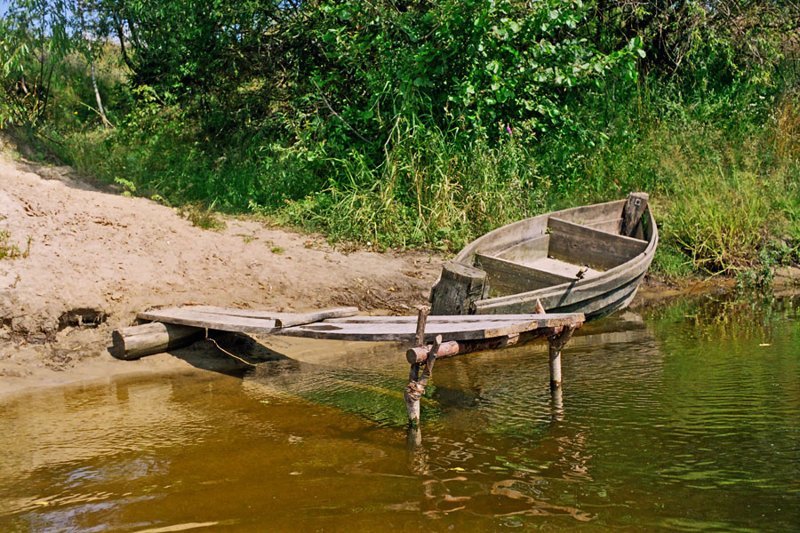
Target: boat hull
516	256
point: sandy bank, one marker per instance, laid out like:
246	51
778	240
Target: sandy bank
97	257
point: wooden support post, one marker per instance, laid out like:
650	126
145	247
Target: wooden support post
148	339
555	367
458	287
416	381
557	398
632	214
422	319
557	342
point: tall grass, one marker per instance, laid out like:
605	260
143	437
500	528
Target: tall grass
724	187
430	190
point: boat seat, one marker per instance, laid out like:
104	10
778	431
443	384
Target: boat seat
534	248
575	243
612	225
562	268
511	277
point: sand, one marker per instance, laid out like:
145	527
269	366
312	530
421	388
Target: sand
97	257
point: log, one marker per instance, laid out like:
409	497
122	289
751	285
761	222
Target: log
458	287
147	339
419	354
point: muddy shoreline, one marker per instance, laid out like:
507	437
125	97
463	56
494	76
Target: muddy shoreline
96	258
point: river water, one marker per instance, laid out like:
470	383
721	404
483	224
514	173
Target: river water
686	418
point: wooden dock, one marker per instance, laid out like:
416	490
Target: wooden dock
429	337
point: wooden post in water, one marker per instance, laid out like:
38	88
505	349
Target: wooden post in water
555	367
557	342
414	391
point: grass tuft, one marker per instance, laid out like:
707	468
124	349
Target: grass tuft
9	250
202	217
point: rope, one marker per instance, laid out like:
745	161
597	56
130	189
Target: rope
226	352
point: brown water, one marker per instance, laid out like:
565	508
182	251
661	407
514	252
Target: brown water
687	420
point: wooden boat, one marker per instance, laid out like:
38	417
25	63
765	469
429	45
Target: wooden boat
587	259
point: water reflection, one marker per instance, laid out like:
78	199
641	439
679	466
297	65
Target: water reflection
681	420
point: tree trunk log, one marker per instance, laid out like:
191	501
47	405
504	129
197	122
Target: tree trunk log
148	339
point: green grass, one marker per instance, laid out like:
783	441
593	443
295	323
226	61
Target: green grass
724	185
202	217
429	191
9	250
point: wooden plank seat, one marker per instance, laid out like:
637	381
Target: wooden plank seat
612	225
511	277
562	268
574	243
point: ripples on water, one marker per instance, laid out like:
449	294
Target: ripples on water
686	420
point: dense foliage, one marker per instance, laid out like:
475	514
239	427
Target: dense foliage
424	123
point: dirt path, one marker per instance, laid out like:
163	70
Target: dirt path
97	258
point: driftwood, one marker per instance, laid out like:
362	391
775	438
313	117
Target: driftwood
148	339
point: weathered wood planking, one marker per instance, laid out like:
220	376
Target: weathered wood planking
578	244
448	319
205	320
635	207
239	320
504	238
526	250
588	214
284	319
507	277
586	297
561	268
403	329
613	225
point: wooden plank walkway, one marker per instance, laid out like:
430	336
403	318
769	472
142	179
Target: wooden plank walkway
453	328
239	320
341	324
